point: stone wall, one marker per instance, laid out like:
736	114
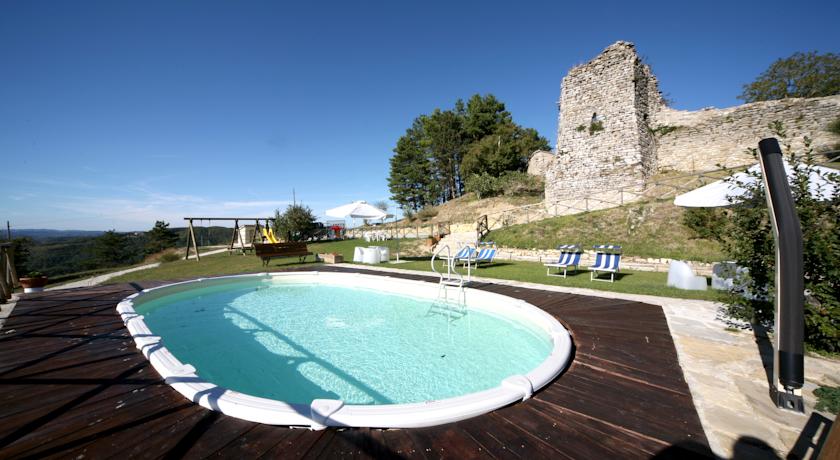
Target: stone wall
614	131
602	138
699	140
539	162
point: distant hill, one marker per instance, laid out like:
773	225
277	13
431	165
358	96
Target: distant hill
44	234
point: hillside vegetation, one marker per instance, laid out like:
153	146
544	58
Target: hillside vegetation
468	208
650	229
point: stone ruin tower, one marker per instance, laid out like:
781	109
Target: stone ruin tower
603	138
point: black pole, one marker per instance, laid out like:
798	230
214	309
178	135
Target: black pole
788	361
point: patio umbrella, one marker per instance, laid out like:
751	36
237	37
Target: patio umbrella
716	194
357	210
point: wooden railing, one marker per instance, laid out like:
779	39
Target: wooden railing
8	276
399	230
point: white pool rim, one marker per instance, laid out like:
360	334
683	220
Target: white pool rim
322	413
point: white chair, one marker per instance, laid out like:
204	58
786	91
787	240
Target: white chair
384	253
681	276
371	256
357	254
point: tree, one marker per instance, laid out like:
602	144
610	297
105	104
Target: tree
297	223
20	251
800	75
483	115
111	249
446	142
748	238
508	148
410	182
430	164
382	205
160	237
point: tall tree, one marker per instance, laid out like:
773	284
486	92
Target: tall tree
411	181
160	237
483	115
446	142
800	75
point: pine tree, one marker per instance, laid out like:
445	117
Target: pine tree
160	237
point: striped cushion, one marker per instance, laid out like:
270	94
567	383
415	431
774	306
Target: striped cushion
605	261
486	254
464	253
568	259
569	248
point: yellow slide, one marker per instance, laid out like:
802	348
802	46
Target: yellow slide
268	234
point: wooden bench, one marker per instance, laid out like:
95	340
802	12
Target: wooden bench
268	251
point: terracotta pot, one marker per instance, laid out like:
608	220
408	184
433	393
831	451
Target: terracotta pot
35	284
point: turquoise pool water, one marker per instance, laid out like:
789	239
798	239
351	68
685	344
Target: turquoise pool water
299	342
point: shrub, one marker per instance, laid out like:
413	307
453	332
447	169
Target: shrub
169	256
427	213
705	223
511	183
834	128
483	185
749	241
828	399
518	183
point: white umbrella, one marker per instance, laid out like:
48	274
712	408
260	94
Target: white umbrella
357	210
716	194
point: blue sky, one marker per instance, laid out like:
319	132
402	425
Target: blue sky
115	114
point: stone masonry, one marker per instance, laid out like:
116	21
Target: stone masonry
700	140
602	139
615	131
539	162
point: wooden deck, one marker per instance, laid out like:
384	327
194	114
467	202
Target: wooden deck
72	384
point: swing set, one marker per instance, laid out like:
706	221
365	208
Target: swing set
237	239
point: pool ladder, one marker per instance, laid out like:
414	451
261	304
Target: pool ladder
451	278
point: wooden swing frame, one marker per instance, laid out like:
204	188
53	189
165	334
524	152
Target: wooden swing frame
236	236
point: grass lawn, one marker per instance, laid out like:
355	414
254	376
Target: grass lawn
643	229
632	282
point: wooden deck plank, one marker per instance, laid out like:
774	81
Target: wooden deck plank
73	384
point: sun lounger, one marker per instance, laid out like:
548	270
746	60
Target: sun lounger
569	257
607	260
465	253
485	254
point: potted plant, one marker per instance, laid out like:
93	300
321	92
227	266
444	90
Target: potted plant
33	282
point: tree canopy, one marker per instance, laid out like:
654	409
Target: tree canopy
800	75
297	223
112	249
434	157
160	237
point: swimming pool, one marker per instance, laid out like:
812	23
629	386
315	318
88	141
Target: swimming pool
323	349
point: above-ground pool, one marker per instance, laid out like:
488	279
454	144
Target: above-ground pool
323	349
